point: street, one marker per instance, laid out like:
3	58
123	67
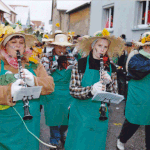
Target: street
116	119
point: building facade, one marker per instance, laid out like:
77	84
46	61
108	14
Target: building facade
11	16
79	19
131	18
59	16
76	19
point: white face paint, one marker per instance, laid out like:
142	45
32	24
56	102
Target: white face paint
15	44
60	50
100	47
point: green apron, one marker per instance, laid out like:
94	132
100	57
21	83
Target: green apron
138	101
86	131
56	109
13	134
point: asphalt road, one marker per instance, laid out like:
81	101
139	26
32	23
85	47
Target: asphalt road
116	119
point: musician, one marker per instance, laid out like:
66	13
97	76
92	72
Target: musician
121	71
56	110
13	134
86	131
137	110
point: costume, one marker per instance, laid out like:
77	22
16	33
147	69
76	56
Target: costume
137	107
137	110
13	135
57	109
85	130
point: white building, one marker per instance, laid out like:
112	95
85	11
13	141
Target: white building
130	17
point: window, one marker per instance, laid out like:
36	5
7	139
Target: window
144	13
109	16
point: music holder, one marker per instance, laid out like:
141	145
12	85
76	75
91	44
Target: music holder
30	92
108	97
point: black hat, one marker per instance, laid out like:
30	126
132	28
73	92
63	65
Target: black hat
123	36
128	44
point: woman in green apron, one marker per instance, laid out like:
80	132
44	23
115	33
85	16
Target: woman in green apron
13	134
137	110
57	109
86	131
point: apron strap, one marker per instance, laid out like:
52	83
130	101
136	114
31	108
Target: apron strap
2	66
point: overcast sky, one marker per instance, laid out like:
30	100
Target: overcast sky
41	9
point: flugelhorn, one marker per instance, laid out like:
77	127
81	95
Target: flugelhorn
25	99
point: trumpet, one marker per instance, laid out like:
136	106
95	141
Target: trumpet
25	99
103	108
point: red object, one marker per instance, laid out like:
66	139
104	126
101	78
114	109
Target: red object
107	24
105	59
148	18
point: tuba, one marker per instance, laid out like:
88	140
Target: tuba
25	99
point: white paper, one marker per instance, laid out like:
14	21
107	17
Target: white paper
107	96
28	91
70	67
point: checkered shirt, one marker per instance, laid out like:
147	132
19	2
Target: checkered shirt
50	65
79	92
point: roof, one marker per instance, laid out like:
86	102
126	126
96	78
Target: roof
4	10
79	6
31	23
68	5
22	14
10	8
19	6
8	20
36	22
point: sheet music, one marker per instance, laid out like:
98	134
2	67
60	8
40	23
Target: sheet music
70	67
28	91
107	96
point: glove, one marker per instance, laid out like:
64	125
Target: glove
29	78
8	72
16	87
97	87
106	77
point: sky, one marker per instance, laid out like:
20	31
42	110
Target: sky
41	9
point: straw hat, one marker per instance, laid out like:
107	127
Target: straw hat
62	40
50	38
97	33
145	40
58	32
116	45
29	39
85	36
47	40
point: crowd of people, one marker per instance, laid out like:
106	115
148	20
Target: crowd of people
71	70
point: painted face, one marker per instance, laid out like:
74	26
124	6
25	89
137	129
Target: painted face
100	47
15	44
60	50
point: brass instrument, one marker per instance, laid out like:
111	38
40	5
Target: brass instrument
25	99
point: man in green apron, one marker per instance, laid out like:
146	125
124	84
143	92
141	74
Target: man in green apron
57	109
137	110
86	131
13	134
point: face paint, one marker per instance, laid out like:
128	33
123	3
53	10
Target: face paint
11	46
14	45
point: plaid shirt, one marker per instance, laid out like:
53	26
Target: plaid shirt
79	92
49	61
